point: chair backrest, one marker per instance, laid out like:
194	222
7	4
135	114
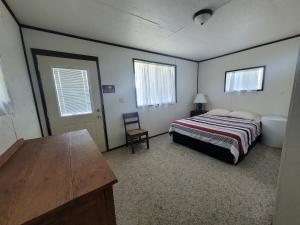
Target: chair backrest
131	118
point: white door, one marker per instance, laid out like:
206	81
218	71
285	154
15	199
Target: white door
72	95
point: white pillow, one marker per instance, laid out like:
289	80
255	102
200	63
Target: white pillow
218	112
245	115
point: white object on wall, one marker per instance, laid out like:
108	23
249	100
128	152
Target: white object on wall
273	130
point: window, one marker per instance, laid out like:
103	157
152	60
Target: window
4	97
251	79
73	93
155	83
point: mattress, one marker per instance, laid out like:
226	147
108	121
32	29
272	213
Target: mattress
231	133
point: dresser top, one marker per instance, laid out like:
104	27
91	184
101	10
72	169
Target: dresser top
46	173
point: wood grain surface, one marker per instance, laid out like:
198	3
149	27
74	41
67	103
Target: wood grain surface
50	174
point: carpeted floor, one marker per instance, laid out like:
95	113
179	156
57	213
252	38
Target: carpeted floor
174	185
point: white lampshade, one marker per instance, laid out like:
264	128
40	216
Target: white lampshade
200	98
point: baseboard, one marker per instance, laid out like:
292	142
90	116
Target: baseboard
121	146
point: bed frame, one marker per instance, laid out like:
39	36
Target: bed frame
208	148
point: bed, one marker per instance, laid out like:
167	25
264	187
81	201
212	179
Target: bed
224	137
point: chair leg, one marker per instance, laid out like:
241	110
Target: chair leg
132	148
147	136
126	141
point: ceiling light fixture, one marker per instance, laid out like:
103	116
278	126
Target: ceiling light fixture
202	16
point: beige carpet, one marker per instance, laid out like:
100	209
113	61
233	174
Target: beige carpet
171	185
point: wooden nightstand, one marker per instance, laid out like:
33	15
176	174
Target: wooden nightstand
197	112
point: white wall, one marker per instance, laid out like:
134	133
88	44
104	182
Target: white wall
288	198
23	122
280	60
116	68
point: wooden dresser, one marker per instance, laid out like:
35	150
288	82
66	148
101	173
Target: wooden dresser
58	180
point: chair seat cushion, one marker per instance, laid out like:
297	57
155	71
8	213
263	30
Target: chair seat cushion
136	132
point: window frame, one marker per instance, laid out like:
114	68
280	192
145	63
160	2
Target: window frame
243	69
159	63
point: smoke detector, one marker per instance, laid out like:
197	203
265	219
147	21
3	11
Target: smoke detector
202	16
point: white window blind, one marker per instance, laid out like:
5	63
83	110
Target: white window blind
155	83
73	92
244	80
4	97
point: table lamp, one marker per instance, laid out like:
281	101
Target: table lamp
199	100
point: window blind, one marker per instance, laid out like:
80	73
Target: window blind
73	92
155	83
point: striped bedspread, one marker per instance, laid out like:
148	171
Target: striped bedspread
234	134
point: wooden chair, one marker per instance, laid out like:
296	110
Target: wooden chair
137	135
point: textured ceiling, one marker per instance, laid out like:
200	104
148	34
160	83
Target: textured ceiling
166	26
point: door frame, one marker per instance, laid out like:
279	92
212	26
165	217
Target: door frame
42	52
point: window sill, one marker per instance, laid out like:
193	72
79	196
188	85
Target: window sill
157	106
